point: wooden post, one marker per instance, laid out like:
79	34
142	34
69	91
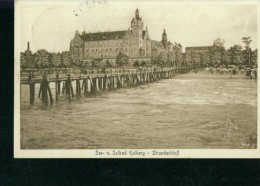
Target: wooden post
84	86
44	90
50	94
105	82
32	88
91	84
68	87
129	80
57	88
64	85
78	89
101	83
119	84
97	87
122	79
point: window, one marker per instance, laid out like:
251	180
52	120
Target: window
96	49
110	49
116	49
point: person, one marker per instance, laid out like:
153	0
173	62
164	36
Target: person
234	71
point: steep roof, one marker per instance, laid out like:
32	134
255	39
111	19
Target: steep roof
157	44
99	36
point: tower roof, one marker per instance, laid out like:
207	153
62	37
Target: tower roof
164	32
137	15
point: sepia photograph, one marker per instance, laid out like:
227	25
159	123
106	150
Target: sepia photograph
136	79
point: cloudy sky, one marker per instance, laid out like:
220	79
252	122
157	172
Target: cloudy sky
53	24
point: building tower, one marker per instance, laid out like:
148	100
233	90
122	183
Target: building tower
137	21
164	38
136	35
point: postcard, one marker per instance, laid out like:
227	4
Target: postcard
136	79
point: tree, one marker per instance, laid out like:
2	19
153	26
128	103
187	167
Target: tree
217	51
121	59
136	64
171	58
108	64
234	55
248	51
23	63
254	57
143	64
66	59
247	41
96	63
56	59
161	59
178	58
42	59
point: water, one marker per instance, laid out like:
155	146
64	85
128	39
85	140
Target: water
192	111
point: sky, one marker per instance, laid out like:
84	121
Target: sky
51	25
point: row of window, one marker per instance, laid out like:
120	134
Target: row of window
109	42
104	55
105	49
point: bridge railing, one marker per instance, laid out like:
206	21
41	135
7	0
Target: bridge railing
62	74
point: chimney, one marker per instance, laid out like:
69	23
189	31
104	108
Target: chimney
28	45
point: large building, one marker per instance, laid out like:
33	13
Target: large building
198	55
135	43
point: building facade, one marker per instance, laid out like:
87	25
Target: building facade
135	43
198	55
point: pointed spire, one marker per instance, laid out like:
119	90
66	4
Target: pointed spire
164	32
137	13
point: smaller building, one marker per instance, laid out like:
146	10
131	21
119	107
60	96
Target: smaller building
198	55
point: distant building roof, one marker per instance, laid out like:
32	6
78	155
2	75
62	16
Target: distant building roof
98	36
157	44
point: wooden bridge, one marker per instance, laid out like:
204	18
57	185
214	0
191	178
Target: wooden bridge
90	81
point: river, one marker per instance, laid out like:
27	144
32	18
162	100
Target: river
191	111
